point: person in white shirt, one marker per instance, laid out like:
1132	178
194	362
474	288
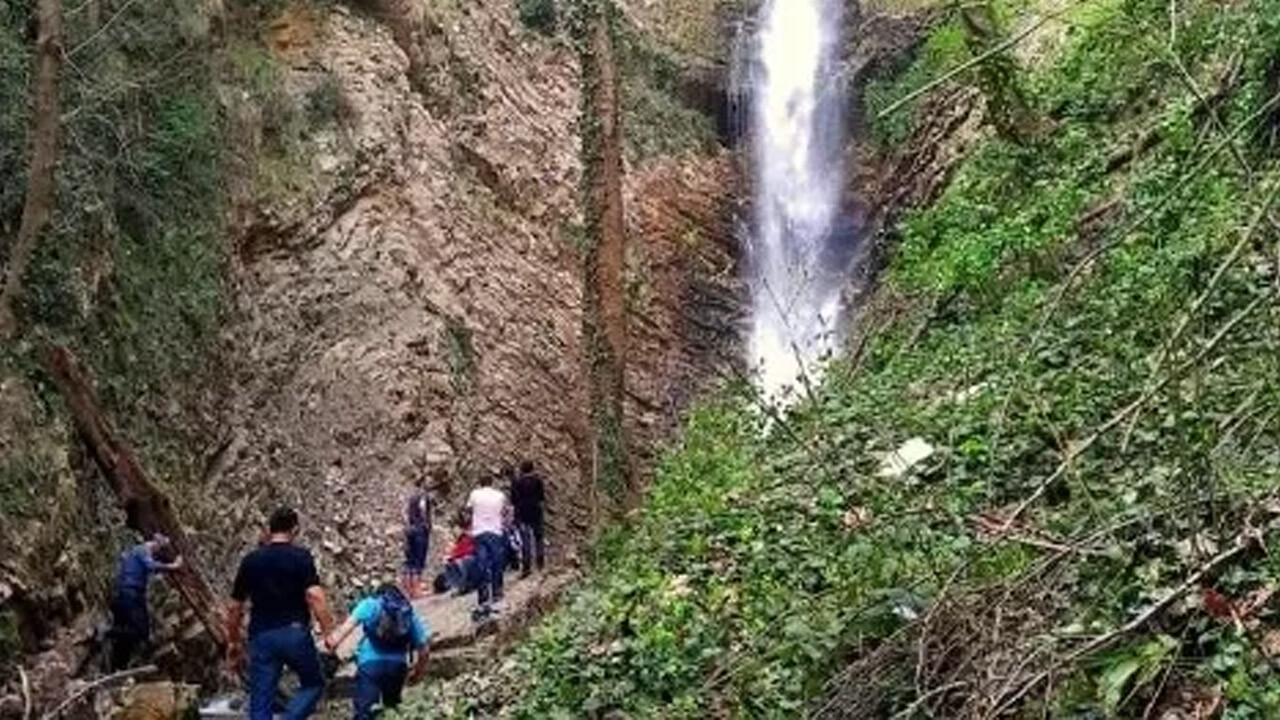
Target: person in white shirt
489	511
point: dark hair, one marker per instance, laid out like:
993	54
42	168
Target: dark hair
164	552
283	520
526	466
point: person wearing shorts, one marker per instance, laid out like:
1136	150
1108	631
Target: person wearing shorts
417	540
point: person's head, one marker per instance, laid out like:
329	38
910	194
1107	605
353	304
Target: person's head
526	467
283	521
387	588
162	548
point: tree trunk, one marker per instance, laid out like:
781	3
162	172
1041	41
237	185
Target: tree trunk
605	312
38	205
147	508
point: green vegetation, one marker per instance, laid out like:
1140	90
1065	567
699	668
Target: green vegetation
15	59
130	273
657	116
943	49
1087	334
539	15
459	353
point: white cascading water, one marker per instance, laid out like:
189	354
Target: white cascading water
797	266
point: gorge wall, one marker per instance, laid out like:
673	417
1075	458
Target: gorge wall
400	296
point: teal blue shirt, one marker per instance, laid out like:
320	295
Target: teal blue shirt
366	611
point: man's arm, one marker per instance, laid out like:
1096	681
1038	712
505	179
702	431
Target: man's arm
320	609
422	651
235	618
235	633
335	640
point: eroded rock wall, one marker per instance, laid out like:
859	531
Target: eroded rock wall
418	303
417	307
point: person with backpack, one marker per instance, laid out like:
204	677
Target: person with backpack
130	611
417	540
280	583
528	495
393	633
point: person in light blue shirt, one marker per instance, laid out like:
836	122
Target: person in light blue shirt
393	634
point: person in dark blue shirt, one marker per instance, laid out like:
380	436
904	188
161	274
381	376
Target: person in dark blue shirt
130	614
280	583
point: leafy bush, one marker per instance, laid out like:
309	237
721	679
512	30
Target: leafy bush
943	49
539	15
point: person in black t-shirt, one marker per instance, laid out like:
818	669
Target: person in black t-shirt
527	497
280	583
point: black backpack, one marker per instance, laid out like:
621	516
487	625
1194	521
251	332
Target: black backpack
391	630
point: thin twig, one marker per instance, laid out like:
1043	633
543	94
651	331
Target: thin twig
928	619
1010	42
1195	173
97	684
98	33
909	710
1103	641
1167	347
1134	406
26	693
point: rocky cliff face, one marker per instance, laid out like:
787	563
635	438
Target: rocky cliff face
414	304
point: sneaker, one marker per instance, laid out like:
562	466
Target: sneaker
481	613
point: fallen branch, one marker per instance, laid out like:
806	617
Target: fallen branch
147	509
1101	642
98	684
997	530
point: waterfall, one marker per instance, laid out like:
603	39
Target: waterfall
797	249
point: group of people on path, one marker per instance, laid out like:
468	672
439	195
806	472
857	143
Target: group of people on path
496	529
278	587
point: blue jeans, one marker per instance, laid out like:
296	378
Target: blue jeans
416	543
270	651
130	626
381	680
491	557
462	575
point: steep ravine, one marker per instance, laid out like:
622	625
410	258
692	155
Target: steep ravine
403	298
